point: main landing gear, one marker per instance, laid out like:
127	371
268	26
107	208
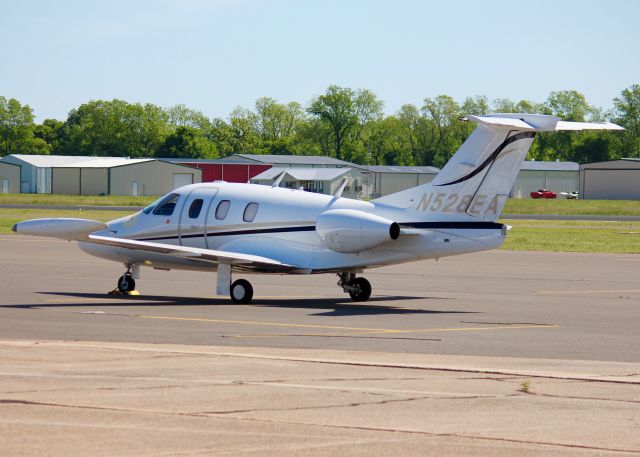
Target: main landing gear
241	291
358	288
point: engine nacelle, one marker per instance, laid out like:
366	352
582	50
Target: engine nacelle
351	231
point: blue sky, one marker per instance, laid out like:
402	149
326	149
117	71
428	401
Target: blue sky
215	55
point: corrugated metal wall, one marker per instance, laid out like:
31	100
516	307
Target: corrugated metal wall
9	178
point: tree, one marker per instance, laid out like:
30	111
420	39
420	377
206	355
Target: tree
115	128
17	130
181	116
336	109
443	114
188	143
627	114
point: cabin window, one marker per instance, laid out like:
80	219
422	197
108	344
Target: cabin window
250	212
223	209
166	206
194	209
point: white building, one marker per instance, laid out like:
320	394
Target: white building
610	180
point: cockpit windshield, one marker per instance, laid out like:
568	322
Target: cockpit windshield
163	206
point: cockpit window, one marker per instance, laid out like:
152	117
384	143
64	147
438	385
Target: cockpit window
166	206
222	209
149	208
194	209
250	212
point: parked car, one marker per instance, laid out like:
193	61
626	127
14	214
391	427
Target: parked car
570	195
543	193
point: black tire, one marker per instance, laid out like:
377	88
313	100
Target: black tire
362	290
126	284
241	292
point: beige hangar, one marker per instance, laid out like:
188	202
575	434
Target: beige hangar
134	177
9	178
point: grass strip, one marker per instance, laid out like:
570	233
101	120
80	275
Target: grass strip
74	200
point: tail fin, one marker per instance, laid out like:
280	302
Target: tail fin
477	180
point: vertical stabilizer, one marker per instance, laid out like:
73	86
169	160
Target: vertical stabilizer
476	182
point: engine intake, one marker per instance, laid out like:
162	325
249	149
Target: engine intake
351	231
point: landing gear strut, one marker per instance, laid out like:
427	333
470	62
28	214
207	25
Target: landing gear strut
240	291
358	288
126	283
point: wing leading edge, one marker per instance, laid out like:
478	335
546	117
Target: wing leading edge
235	259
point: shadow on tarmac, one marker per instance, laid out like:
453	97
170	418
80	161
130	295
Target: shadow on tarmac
328	306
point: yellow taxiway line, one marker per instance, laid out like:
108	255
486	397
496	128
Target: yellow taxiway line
568	292
358	330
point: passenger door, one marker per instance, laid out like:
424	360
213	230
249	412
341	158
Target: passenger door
193	216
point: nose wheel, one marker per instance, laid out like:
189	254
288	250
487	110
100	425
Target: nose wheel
359	289
126	283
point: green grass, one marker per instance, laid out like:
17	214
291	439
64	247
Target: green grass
573	207
80	200
8	217
573	236
514	206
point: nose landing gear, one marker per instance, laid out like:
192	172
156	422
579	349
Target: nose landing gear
126	283
358	288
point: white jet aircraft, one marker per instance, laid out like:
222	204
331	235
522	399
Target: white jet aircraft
229	227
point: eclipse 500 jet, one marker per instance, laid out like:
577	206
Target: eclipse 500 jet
235	228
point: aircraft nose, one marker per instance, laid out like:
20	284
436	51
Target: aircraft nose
15	228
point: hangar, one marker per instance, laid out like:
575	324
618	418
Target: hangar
390	179
320	180
9	178
35	174
135	177
555	176
610	180
86	175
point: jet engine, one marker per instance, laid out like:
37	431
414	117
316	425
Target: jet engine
351	231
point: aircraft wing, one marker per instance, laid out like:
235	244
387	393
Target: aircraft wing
199	255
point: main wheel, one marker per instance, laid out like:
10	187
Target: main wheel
241	291
126	283
362	290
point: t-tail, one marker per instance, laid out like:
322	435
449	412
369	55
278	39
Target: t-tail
476	182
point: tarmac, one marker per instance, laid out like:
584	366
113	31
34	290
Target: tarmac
498	353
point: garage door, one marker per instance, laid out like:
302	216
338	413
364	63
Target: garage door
611	184
182	179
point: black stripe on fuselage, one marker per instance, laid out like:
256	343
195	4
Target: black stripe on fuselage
453	225
310	228
492	157
305	228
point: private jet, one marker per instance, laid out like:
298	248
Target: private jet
234	228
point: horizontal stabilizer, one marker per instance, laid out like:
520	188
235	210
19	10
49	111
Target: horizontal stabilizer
538	123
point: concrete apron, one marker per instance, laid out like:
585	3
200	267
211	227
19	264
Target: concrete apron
126	399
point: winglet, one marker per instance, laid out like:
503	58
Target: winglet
278	180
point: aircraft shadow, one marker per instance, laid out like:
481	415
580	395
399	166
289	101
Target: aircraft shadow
328	306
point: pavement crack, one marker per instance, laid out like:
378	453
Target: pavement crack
342	405
573	397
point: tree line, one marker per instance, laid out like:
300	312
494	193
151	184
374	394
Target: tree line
343	123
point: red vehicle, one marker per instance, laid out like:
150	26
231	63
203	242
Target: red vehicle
543	193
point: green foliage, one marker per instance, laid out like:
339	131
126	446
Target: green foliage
344	123
187	143
17	130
